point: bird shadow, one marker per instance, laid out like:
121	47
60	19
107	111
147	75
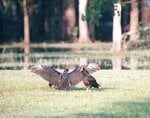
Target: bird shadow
93	89
81	89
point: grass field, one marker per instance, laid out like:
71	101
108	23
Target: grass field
124	94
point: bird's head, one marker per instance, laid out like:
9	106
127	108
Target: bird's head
66	70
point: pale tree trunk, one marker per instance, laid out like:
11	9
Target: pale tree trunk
26	34
133	63
117	33
117	63
69	19
134	20
83	25
145	13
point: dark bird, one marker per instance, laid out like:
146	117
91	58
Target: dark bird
90	82
83	73
66	80
51	75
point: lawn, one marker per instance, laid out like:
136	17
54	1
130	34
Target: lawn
124	94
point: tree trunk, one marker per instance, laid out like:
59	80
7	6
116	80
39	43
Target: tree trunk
83	25
133	63
134	20
117	63
117	33
69	19
26	33
145	13
91	31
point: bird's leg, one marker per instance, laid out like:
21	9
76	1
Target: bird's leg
88	89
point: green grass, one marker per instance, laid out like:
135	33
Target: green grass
124	94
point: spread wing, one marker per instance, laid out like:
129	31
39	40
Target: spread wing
75	77
91	67
47	73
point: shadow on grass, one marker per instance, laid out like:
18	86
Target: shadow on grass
124	110
134	109
84	115
93	89
93	115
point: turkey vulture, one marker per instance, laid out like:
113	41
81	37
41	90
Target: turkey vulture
90	82
51	75
66	80
82	73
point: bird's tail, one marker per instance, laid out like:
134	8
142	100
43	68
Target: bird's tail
97	85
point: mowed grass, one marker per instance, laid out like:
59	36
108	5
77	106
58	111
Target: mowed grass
124	94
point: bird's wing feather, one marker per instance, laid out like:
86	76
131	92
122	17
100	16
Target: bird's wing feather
75	77
46	72
91	67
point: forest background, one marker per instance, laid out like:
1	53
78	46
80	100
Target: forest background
122	24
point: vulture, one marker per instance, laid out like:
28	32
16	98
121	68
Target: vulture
65	80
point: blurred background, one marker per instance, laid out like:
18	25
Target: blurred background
68	33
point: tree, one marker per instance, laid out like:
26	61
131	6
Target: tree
91	31
117	35
145	13
117	62
96	8
26	33
134	20
83	25
69	19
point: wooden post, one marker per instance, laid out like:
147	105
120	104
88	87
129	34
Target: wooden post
26	34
